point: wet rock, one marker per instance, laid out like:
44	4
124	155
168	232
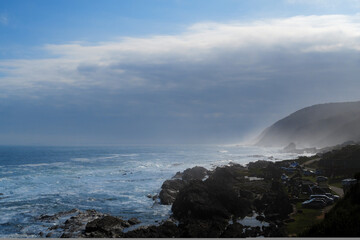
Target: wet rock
166	230
66	235
107	226
48	218
54	227
169	190
51	218
133	221
75	225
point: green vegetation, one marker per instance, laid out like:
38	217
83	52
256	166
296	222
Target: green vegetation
343	219
310	178
336	182
304	219
341	163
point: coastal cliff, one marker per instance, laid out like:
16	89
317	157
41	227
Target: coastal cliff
320	125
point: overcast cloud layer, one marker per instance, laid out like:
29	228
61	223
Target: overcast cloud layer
214	82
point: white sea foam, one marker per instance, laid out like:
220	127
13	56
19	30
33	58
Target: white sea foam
81	159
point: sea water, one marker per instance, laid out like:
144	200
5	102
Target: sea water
114	180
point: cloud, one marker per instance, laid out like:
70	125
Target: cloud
327	3
212	81
205	54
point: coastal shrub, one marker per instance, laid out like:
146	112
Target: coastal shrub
343	162
343	219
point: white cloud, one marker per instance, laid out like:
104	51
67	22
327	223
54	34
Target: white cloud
209	52
327	3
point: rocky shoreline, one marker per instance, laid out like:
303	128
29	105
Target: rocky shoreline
204	204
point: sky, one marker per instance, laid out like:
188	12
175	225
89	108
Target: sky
89	72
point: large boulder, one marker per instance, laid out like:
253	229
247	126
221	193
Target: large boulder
107	226
197	201
206	200
195	173
275	204
171	188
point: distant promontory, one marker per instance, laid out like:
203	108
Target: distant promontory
315	126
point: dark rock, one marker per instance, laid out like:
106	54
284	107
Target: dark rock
54	227
197	201
177	175
75	225
166	230
133	221
49	234
258	164
107	226
234	231
202	228
206	200
48	218
195	173
66	235
260	218
169	190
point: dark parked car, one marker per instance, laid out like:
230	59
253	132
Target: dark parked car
308	173
325	198
314	203
321	179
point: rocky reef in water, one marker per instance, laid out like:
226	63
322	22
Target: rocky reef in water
204	204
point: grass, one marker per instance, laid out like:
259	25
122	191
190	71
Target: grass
303	220
310	178
336	182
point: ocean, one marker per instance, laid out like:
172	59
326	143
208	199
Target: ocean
114	180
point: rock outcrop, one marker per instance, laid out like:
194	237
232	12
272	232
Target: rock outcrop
171	188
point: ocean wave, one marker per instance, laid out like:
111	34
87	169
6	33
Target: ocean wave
80	159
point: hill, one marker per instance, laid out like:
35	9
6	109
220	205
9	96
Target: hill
315	126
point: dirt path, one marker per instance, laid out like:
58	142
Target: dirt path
339	191
309	162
